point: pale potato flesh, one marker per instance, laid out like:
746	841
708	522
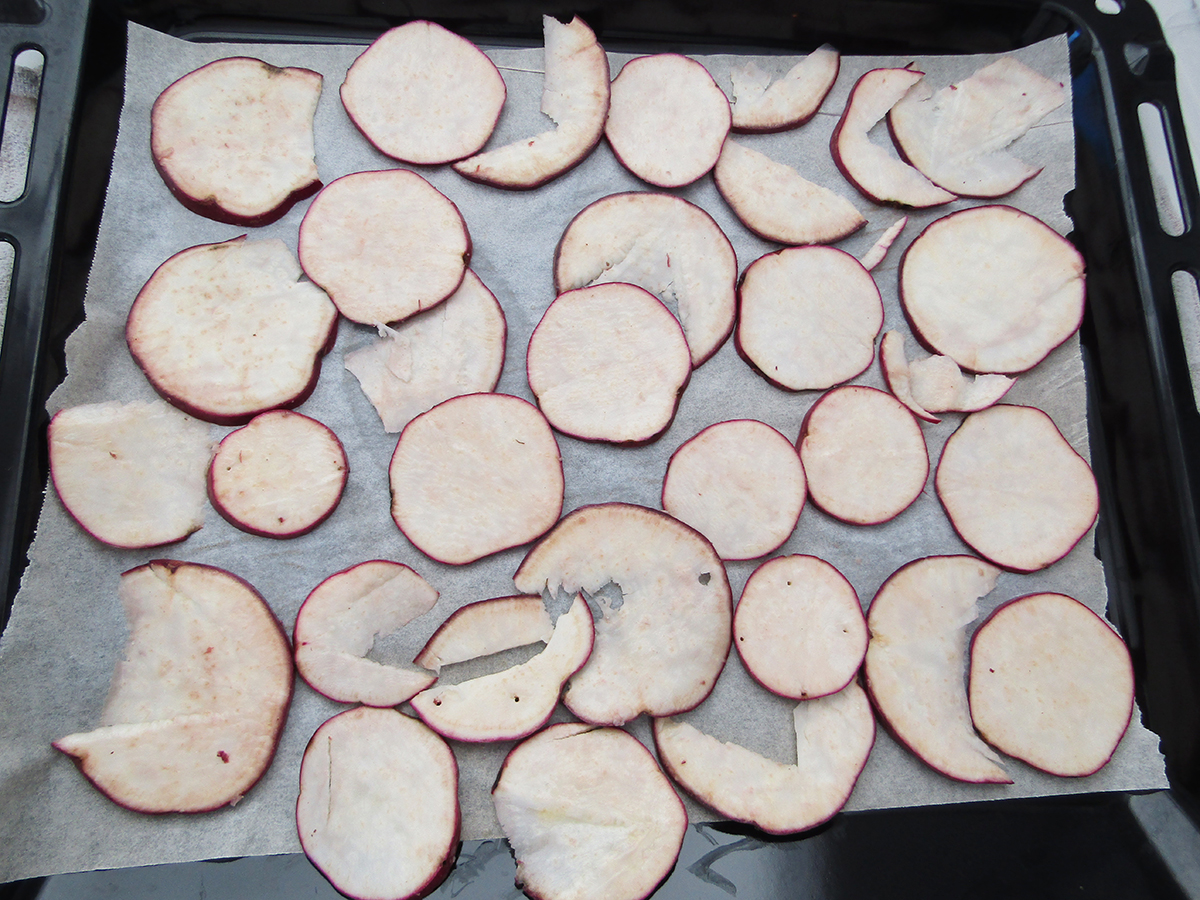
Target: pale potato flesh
916	658
131	474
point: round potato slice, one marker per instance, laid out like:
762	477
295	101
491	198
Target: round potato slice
608	363
1014	489
864	455
378	810
808	317
476	475
740	484
233	140
589	814
226	331
424	95
799	627
667	119
1051	684
993	288
279	476
385	245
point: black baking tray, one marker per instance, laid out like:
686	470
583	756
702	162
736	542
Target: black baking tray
1145	428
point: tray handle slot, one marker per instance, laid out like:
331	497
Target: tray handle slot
1173	219
20	113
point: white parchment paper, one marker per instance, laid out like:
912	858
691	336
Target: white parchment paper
67	631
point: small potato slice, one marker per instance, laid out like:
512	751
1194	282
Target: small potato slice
197	705
667	119
936	384
834	736
131	474
864	455
662	647
514	703
476	475
740	484
233	140
993	288
808	317
575	97
1014	489
424	95
878	175
226	331
1051	684
589	815
663	243
385	245
337	625
916	659
608	363
958	135
799	627
279	476
378	811
779	204
762	106
485	627
879	249
455	348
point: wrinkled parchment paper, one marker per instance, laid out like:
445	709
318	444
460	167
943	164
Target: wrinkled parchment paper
67	631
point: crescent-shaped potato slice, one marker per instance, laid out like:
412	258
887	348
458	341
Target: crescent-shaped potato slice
131	474
661	649
337	625
512	704
196	707
424	95
663	243
575	97
486	627
936	384
589	815
834	736
878	175
916	659
762	106
778	203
